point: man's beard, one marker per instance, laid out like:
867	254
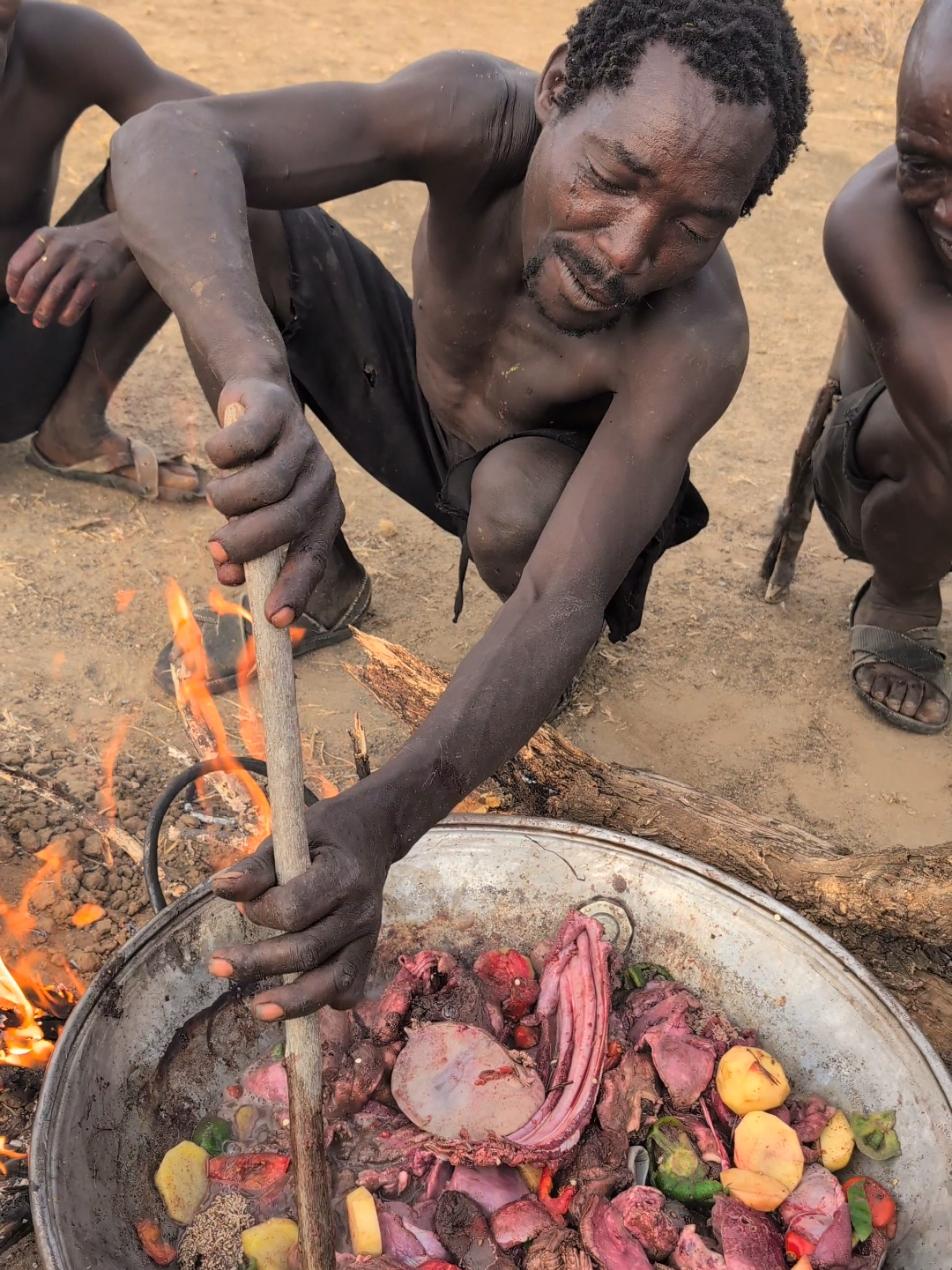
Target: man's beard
582	268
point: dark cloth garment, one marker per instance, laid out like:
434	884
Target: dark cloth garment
352	351
36	365
838	483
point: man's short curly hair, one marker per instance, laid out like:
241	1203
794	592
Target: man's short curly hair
748	49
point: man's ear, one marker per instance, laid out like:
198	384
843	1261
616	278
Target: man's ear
551	86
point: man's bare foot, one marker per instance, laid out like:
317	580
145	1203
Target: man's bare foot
914	687
65	447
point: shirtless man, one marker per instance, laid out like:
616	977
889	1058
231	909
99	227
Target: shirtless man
576	328
883	467
82	311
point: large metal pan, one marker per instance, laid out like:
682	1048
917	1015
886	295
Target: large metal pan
153	1041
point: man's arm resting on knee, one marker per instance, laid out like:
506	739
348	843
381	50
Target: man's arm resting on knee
881	260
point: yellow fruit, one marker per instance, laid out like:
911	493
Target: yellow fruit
764	1144
837	1143
182	1181
756	1190
749	1079
365	1237
269	1245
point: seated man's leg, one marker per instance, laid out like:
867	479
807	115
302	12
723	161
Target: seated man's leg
514	491
122	320
887	505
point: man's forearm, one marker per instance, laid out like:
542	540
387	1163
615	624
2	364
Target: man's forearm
182	210
501	694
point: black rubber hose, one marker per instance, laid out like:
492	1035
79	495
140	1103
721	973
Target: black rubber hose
172	790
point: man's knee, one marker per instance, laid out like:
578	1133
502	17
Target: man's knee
514	491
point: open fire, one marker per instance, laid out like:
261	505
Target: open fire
32	1013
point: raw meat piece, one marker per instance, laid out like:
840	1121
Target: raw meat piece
415	1232
626	1092
382	1147
557	1249
818	1211
455	1081
519	1222
358	1077
722	1033
750	1240
509	980
684	1062
606	1240
268	1082
645	1216
421	975
657	1006
490	1188
692	1253
600	1168
808	1119
462	999
872	1254
463	1229
706	1138
575	991
398	1242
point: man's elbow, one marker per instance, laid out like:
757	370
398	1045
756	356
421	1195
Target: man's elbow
159	131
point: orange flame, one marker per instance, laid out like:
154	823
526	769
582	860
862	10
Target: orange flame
124	599
107	794
24	1045
249	722
192	695
18	921
87	915
7	1153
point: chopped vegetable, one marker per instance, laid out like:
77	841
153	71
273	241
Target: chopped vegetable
798	1245
882	1206
153	1245
876	1136
182	1181
837	1143
755	1190
643	972
245	1120
211	1134
679	1171
531	1174
364	1225
250	1174
525	1037
555	1207
764	1144
509	980
803	1264
750	1079
860	1215
268	1246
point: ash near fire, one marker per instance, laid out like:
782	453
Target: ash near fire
550	1110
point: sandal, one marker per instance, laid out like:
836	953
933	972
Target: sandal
914	651
225	636
106	472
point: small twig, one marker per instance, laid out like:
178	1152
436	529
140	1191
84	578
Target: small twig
51	792
361	754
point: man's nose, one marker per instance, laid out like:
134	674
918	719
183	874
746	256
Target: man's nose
629	242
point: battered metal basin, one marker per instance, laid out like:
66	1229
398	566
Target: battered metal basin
153	1041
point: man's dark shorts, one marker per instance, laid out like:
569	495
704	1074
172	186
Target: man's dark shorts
36	365
352	352
838	483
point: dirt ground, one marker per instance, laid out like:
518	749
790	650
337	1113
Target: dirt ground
717	690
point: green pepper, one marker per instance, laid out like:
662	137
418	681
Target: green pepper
876	1136
638	975
860	1215
212	1133
277	1052
679	1171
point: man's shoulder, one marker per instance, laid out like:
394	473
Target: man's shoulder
53	37
707	311
868	211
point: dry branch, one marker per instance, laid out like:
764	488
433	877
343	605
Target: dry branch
53	793
895	892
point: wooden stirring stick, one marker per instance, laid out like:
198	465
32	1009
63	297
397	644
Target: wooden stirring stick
303	1059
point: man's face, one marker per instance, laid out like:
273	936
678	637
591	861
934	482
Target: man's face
8	14
632	192
924	143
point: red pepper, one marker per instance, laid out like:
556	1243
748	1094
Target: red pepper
614	1053
233	1091
882	1206
250	1174
525	1037
798	1245
153	1245
555	1207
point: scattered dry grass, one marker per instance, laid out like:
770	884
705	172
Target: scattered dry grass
874	30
